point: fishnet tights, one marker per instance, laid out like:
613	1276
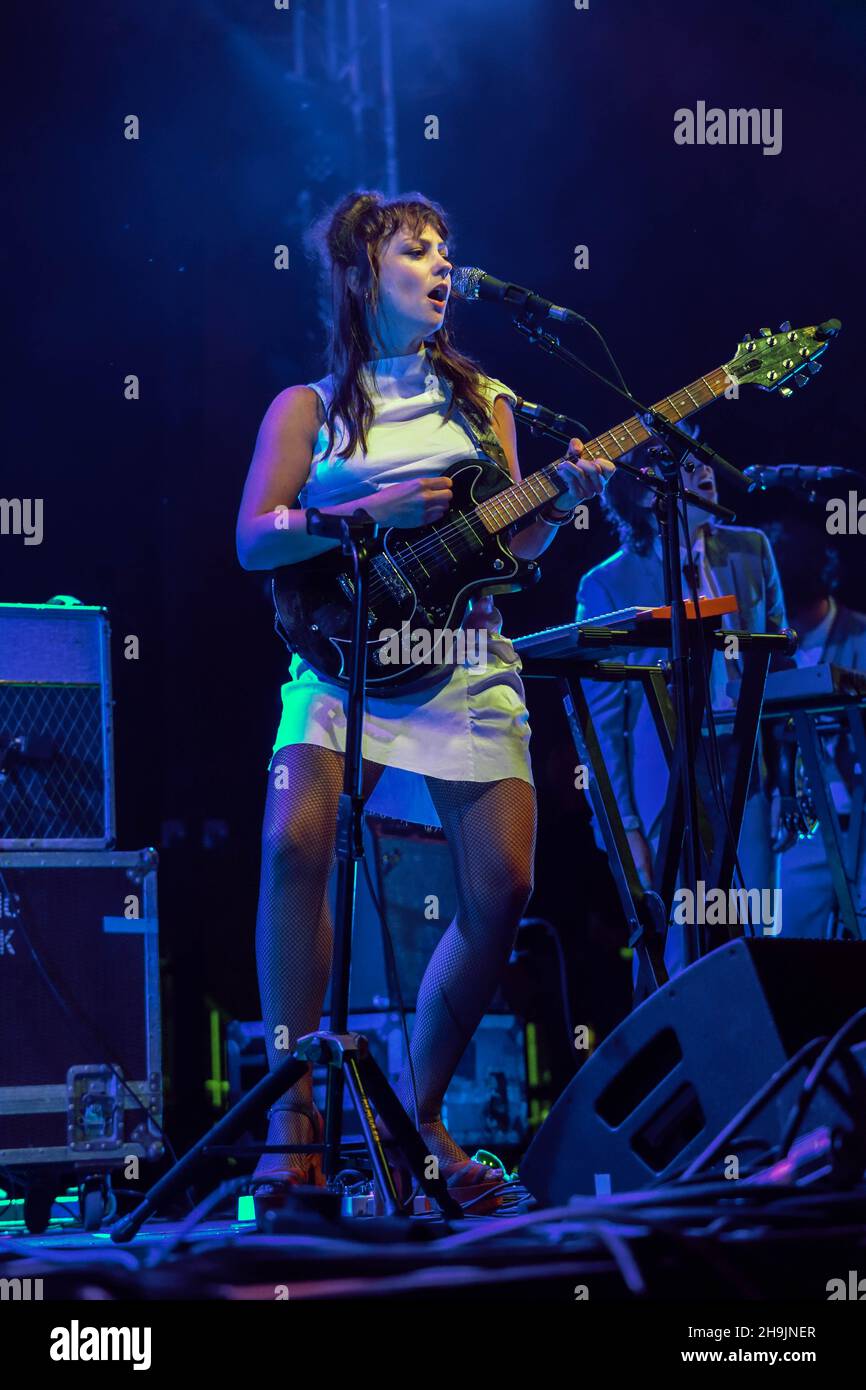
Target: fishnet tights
490	829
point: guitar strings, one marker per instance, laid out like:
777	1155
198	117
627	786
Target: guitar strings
620	447
453	531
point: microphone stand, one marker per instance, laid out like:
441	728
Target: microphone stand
667	512
355	534
347	1055
669	493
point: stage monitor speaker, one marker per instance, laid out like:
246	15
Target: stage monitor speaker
672	1074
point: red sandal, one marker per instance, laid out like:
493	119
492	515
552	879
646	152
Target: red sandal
269	1192
470	1183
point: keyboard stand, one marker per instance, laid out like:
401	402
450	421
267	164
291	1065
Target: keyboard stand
844	848
648	912
809	697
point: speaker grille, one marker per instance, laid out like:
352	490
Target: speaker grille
53	756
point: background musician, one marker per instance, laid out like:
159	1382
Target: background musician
730	560
828	632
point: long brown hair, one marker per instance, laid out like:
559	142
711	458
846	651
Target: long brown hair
352	233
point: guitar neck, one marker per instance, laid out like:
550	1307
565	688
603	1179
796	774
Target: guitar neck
524	499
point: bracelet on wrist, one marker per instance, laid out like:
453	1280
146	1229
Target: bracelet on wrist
552	516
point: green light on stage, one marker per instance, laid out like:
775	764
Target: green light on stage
246	1208
491	1161
12	1212
217	1086
531	1055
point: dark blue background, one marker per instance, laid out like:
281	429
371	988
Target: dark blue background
155	257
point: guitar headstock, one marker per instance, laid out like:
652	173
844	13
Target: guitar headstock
774	359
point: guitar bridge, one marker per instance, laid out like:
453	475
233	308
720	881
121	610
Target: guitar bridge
391	577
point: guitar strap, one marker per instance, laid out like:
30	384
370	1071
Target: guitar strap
485	440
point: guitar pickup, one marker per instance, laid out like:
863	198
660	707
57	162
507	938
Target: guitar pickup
348	587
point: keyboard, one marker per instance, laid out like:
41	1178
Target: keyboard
576	639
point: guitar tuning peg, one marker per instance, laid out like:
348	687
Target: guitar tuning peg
802	379
785	391
785	327
815	367
746	338
766	332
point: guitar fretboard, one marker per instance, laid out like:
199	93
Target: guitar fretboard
524	498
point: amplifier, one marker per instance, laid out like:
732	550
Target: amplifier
56	758
485	1105
80	1017
410	867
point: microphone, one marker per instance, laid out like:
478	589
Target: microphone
793	475
547	421
468	282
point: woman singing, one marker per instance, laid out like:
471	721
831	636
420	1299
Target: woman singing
399	406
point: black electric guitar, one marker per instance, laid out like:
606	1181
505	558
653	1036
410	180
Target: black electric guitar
422	579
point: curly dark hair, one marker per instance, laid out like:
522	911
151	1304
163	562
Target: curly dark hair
634	524
353	233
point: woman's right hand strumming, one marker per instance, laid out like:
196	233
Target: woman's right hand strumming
417	502
272	529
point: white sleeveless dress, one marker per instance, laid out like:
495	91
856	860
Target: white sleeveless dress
473	727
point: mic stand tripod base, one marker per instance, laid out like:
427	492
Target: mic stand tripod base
350	1054
228	1128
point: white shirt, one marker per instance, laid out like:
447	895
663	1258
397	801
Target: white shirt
810	651
473	728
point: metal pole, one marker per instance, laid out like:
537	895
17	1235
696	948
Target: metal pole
388	108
